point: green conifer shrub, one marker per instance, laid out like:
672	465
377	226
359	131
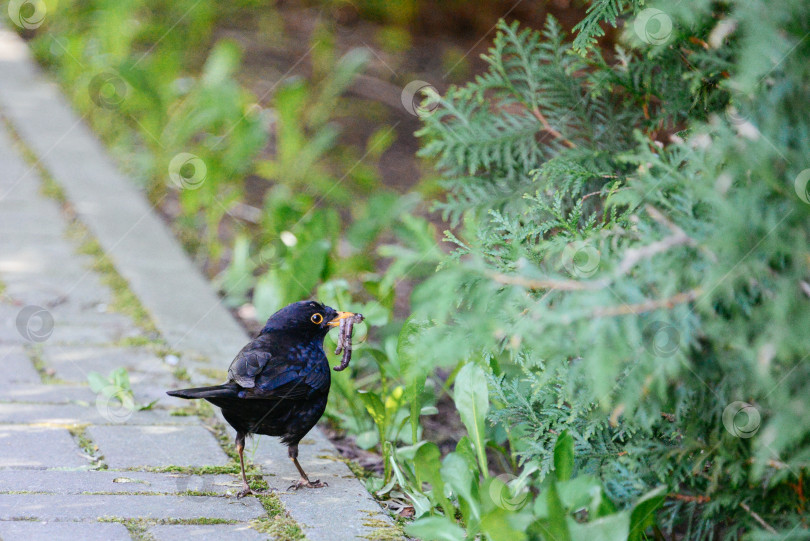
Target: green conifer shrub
631	260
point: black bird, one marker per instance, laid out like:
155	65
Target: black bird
278	384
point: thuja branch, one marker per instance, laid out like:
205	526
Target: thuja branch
547	127
648	306
758	518
633	255
532	283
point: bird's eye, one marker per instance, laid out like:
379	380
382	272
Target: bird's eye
316	319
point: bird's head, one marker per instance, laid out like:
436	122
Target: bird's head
309	319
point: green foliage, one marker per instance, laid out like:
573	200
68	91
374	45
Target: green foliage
503	507
599	12
630	243
117	387
128	67
472	402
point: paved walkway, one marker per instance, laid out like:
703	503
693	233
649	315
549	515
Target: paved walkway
78	464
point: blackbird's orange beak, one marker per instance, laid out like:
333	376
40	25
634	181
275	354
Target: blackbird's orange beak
341	315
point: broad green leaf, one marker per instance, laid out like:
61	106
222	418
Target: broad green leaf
415	374
416	386
374	406
643	514
614	527
149	406
97	381
393	401
564	456
222	62
472	401
367	439
427	462
552	524
120	378
268	295
509	494
237	280
435	529
456	473
497	526
465	449
579	492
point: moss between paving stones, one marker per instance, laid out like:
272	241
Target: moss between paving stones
278	523
216	374
47	375
180	373
123	299
137	528
79	433
49	187
383	531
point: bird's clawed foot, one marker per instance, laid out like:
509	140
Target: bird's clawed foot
249	491
304	482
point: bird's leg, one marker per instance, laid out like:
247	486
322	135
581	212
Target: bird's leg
304	481
240	448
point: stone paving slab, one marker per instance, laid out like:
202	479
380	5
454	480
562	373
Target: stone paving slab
75	482
99	412
73	363
39	447
18	530
81	394
46	394
133	446
70	334
9	335
16	367
91	507
206	532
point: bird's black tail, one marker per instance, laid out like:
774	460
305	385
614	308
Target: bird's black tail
227	390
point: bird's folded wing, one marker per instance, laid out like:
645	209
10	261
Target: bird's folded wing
247	365
289	381
263	376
